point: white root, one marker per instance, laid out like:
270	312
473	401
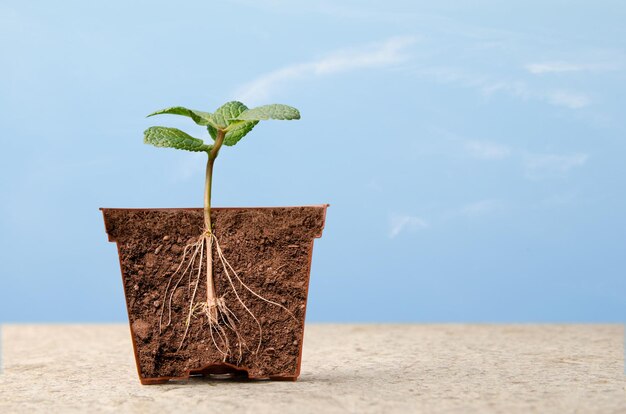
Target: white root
175	286
195	289
219	316
210	287
227	264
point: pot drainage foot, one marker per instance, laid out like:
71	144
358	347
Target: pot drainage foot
220	372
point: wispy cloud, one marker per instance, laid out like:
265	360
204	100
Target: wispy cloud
519	89
533	165
480	208
537	166
399	223
388	53
541	68
448	143
492	85
486	150
569	99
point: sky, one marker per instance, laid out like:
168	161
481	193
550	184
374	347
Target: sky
472	153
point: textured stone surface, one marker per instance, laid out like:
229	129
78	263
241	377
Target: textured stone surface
346	368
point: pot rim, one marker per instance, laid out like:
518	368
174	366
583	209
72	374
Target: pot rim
326	205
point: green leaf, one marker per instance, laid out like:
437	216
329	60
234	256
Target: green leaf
234	132
199	117
238	130
275	111
173	138
212	131
224	115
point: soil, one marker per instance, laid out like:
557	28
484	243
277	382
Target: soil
270	248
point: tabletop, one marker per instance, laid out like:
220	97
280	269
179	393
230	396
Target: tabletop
399	368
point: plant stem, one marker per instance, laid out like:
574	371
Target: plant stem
208	228
209	179
207	194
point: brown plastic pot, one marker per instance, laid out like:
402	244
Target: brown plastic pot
271	250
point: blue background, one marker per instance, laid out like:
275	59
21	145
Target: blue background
472	152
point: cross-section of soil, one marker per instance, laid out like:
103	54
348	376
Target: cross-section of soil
269	248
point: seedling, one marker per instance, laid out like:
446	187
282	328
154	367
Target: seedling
226	126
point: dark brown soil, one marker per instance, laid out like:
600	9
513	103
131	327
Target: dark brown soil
270	248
